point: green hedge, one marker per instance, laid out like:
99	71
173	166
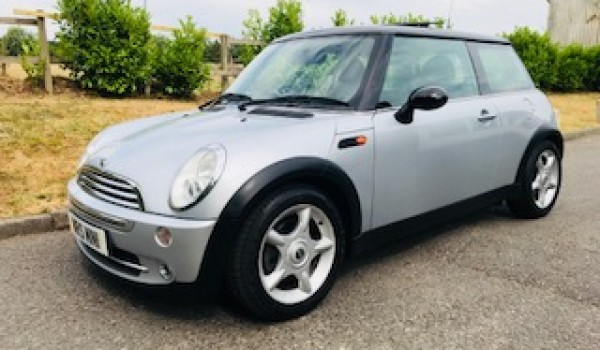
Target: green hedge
554	67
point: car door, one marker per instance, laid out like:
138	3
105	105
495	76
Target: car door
443	156
521	106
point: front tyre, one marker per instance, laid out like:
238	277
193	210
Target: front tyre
539	183
286	257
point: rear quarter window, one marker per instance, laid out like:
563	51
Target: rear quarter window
501	69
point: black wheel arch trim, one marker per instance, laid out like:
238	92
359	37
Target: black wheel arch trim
300	170
543	133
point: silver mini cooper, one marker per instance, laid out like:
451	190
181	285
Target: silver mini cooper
328	142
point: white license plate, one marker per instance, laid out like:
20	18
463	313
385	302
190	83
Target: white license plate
93	237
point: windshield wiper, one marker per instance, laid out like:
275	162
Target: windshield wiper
296	100
226	98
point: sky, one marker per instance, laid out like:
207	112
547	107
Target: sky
225	16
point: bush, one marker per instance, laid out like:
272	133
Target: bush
178	63
34	71
592	80
539	54
14	39
105	44
572	69
284	18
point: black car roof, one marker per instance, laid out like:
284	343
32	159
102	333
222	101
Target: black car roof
395	30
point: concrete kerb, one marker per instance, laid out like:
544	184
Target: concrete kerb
41	223
581	133
57	220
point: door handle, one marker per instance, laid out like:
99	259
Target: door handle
486	116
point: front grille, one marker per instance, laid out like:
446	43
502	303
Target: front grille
110	188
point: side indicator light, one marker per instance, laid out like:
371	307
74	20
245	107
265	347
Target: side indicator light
361	140
352	142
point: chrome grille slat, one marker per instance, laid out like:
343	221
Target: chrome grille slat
98	186
108	182
106	198
110	188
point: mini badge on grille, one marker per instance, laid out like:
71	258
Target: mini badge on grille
103	162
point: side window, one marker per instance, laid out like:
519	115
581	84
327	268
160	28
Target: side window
418	62
502	70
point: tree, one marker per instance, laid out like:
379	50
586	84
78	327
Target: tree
14	40
179	63
390	18
340	19
284	18
254	30
105	44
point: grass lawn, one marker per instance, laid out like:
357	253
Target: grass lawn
576	111
41	139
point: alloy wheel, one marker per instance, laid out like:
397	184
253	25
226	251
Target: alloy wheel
545	183
296	254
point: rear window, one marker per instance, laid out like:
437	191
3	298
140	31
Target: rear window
502	69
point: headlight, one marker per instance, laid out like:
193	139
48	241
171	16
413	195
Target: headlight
197	177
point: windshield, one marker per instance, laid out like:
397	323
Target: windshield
325	67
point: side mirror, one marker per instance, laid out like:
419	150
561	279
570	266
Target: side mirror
426	98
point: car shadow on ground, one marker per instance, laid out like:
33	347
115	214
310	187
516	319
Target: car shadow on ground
175	301
382	252
183	302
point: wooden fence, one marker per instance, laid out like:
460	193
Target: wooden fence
39	19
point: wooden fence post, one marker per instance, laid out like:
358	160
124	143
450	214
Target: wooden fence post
224	61
45	53
3	53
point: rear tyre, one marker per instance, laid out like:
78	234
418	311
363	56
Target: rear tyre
539	182
287	255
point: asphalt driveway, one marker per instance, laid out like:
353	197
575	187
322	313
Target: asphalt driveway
489	281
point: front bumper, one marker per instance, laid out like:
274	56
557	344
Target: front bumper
133	252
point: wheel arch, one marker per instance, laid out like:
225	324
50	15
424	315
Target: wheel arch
317	172
542	134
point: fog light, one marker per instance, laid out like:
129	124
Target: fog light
163	237
165	273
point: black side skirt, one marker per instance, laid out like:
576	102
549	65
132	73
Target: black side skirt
422	222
